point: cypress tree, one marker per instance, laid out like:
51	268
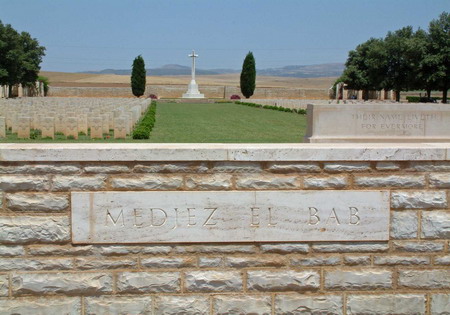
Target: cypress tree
248	75
138	74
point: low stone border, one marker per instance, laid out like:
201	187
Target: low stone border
224	152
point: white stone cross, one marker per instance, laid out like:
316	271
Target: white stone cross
193	56
193	91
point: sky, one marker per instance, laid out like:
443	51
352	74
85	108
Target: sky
82	35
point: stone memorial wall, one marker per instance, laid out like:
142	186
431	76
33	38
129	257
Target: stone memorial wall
378	122
224	229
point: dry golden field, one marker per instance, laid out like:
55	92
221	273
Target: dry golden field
112	80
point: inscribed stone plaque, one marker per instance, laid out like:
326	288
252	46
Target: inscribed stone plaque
229	216
378	123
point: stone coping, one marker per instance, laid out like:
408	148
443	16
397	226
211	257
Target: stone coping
44	152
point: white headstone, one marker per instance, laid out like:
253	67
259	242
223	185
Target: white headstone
13	121
59	123
96	126
2	127
120	131
20	91
105	123
23	127
48	127
83	124
71	124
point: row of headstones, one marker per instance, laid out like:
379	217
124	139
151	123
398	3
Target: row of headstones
33	102
349	101
72	100
73	126
36	117
20	91
297	103
121	117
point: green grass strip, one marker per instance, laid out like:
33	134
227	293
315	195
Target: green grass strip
225	123
145	125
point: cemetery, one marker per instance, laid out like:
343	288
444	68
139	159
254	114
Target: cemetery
232	201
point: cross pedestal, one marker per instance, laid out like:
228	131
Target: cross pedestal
193	91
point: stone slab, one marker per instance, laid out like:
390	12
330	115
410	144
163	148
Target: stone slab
59	123
2	127
48	127
96	125
50	152
120	130
23	127
378	123
229	216
71	127
82	124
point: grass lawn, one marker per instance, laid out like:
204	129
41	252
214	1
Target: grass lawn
225	122
206	123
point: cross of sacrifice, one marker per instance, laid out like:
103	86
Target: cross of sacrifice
193	56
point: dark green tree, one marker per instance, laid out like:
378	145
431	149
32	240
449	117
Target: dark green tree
248	76
138	78
31	59
425	78
4	48
438	54
10	56
364	66
20	57
402	61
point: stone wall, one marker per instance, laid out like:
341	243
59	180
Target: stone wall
42	272
175	91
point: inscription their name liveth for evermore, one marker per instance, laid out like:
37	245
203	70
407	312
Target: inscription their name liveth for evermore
229	216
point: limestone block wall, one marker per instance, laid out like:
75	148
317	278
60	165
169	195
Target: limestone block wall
42	272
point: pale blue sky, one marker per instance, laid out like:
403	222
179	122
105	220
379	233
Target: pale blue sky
99	34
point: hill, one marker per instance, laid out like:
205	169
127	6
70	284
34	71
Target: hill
310	71
296	71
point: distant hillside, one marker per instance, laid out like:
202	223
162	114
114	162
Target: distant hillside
309	71
166	70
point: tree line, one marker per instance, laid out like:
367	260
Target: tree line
404	60
20	57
